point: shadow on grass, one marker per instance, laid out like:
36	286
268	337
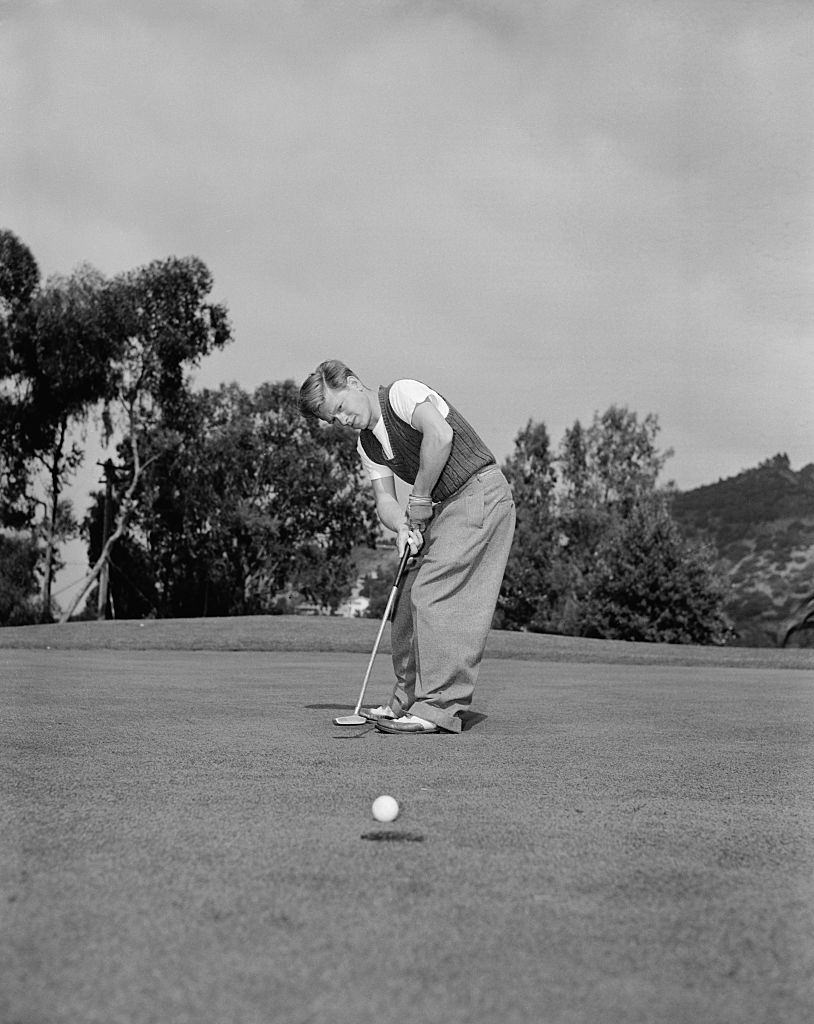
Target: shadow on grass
468	721
393	837
363	731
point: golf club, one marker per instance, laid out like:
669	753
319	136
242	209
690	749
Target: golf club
356	718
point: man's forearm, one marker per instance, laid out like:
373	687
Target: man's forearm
434	454
390	512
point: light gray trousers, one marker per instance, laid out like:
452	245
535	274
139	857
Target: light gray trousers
444	609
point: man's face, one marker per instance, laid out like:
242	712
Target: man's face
348	406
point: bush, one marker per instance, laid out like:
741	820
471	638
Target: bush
19	557
649	584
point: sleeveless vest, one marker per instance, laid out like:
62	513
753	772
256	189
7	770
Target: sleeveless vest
469	454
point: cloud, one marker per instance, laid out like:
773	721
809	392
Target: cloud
543	208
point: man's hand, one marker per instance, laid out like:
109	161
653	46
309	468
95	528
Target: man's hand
408	535
419	510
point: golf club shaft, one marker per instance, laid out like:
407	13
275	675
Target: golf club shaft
388	608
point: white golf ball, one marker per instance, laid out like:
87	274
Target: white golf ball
385	808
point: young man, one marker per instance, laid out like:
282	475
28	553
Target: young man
459	521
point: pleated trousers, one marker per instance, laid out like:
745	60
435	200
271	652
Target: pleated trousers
445	606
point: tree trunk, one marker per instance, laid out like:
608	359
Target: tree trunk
93	575
104	575
122	517
47	583
48	573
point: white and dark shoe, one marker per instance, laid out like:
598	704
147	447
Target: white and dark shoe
406	724
383	711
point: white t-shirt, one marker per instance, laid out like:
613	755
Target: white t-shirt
405	395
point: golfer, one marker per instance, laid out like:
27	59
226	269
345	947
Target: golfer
459	522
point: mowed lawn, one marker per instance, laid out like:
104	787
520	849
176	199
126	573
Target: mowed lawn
625	835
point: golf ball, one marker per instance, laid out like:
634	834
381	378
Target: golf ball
385	808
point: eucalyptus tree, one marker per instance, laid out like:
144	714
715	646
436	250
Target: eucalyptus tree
53	358
162	324
64	352
19	279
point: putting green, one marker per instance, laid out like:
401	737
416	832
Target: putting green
182	840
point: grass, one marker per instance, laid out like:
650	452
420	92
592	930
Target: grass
626	836
327	634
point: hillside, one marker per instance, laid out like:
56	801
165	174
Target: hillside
761	524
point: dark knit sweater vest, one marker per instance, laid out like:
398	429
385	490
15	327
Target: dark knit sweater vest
469	454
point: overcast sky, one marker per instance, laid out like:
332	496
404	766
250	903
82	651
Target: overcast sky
540	207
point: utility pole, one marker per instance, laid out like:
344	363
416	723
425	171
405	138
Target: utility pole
104	575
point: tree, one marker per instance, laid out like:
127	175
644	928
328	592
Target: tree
526	596
19	556
603	557
648	583
801	621
320	506
250	501
161	326
53	359
19	278
63	352
604	470
131	589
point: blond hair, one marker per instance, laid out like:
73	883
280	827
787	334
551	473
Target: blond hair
330	375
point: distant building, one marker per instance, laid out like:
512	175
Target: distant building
354	608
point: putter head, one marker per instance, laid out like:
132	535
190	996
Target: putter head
351	720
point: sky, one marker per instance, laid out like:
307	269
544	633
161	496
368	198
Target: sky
539	207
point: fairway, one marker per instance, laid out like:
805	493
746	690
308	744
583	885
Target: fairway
608	842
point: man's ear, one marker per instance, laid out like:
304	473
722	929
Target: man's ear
355	383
